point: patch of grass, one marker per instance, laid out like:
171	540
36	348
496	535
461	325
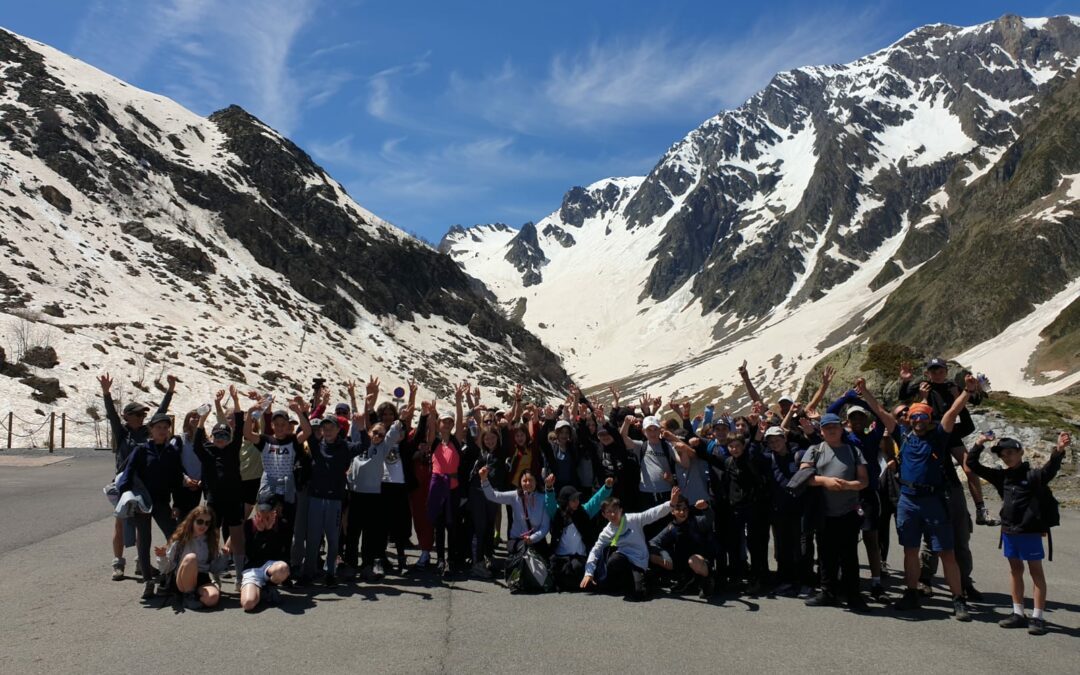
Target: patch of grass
1051	413
886	357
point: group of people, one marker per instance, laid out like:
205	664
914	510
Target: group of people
624	499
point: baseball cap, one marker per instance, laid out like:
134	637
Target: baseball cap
446	416
329	419
857	410
603	430
650	421
830	418
280	413
562	424
221	430
160	417
1006	444
342	409
774	431
936	362
786	399
135	407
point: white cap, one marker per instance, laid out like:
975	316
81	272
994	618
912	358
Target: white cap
856	409
774	431
446	416
562	424
650	421
786	399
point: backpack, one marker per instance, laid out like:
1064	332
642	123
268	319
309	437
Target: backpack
528	572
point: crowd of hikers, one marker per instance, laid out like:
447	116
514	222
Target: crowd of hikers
632	500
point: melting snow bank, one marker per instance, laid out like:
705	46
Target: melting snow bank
1005	358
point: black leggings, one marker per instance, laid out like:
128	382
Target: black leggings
162	515
397	515
365	536
447	529
483	525
623	577
838	546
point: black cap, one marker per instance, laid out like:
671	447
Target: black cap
1006	444
160	417
567	493
136	407
936	362
221	430
342	409
266	500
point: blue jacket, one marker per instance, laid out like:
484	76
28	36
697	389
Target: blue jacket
159	469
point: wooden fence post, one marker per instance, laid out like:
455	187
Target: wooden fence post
63	430
52	430
10	421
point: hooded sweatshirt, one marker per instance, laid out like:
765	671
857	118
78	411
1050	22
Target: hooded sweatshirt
631	542
528	509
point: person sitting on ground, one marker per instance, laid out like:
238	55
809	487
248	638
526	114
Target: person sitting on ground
686	547
194	555
531	523
1028	512
573	530
622	549
266	547
925	450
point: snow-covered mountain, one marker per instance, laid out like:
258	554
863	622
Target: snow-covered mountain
140	238
776	231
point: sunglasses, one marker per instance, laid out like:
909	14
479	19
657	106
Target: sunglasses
203	523
917	417
378	434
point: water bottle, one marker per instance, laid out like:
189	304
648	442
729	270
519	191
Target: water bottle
203	410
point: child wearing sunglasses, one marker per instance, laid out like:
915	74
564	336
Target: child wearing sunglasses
1028	511
191	556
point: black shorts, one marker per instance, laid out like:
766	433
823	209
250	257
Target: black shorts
203	579
249	490
228	509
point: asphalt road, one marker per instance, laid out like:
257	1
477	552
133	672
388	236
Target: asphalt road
60	612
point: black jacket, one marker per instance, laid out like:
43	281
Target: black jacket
1023	491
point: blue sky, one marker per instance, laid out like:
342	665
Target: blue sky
435	113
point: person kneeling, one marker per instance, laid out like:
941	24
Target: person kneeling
193	554
620	555
573	530
264	569
685	547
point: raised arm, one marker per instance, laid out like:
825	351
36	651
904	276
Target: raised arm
372	395
624	431
745	375
826	379
251	434
948	420
350	386
459	413
166	401
299	406
110	409
885	416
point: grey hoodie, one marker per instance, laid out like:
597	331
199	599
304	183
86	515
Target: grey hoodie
631	542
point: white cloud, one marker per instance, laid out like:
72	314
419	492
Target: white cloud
382	85
227	52
623	82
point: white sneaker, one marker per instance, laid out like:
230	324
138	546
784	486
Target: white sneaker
805	592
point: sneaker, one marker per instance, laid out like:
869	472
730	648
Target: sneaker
877	592
330	581
754	588
365	573
972	594
443	569
805	592
983	517
163	584
960	610
708	587
822	599
424	560
273	596
1014	620
215	579
378	573
1037	627
118	571
402	565
926	590
857	603
480	571
784	590
909	601
191	601
148	590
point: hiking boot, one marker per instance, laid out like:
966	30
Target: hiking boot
330	581
378	573
960	610
972	594
983	517
1037	627
909	601
365	573
191	601
480	571
148	590
754	588
708	587
822	599
1014	620
118	569
857	603
926	590
877	592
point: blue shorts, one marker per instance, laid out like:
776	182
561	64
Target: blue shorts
924	515
1022	546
